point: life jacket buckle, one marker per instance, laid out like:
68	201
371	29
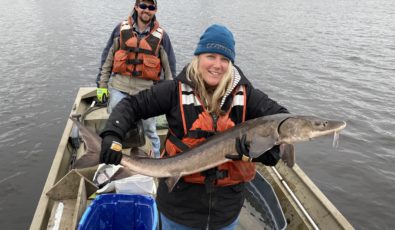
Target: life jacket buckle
221	174
211	176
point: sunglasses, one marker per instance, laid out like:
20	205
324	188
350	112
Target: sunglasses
144	6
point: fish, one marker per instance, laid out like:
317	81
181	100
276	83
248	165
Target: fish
262	133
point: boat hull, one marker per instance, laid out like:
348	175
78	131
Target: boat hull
303	204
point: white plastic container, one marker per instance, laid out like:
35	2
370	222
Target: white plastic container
137	184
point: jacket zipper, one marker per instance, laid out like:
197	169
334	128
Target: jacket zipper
214	117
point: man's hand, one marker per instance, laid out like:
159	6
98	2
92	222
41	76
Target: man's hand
111	150
102	95
242	148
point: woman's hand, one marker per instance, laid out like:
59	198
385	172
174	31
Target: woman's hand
242	148
111	150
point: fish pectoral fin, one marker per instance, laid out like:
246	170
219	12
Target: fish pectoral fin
287	154
172	181
260	144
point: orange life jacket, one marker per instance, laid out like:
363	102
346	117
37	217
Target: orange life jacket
201	125
138	57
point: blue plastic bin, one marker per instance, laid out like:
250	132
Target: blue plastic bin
120	211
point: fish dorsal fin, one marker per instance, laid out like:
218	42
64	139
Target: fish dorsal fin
260	145
171	182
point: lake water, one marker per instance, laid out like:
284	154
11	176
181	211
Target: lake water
333	59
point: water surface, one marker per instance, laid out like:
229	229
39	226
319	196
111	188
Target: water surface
334	59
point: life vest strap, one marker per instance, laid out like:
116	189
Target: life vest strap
214	174
137	73
198	133
139	50
134	62
177	142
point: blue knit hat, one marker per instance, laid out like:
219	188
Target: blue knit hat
217	39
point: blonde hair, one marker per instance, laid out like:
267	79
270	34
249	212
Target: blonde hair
211	98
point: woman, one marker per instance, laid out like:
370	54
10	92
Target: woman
210	95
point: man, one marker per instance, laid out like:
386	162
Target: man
138	53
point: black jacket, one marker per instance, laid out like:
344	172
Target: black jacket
190	204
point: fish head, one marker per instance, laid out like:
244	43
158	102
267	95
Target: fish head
303	128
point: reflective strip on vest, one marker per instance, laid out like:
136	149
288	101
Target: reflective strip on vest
125	25
190	98
238	100
158	33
